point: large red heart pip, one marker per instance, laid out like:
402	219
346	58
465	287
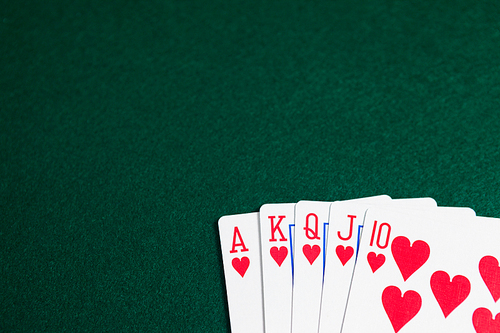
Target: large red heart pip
241	265
490	272
344	254
279	255
448	294
409	258
311	253
483	321
400	310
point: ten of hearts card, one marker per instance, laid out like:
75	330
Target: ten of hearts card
425	274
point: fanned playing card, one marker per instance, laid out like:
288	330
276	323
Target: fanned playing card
346	225
441	274
239	237
311	223
276	232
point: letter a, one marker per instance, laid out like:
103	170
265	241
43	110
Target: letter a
237	234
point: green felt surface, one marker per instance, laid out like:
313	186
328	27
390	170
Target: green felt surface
128	128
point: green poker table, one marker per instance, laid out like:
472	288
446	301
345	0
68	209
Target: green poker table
128	128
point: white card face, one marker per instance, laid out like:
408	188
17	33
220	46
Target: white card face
311	223
346	224
239	236
276	230
425	274
415	202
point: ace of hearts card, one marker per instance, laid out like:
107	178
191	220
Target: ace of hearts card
425	274
240	244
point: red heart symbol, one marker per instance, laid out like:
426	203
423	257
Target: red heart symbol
344	254
279	255
241	266
490	272
409	258
448	294
375	260
311	253
400	310
483	321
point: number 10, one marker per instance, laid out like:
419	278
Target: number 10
381	228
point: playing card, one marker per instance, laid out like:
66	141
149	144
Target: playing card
239	236
346	223
311	222
431	273
276	233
